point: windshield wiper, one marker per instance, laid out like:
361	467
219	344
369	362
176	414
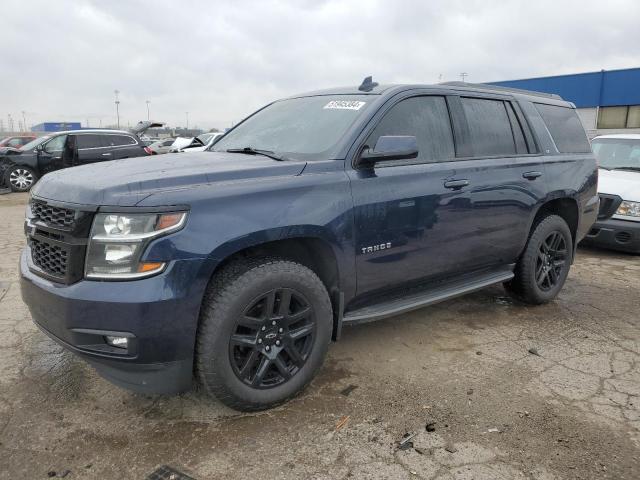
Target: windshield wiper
257	151
634	169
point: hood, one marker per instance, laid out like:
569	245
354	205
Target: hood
10	151
127	182
624	183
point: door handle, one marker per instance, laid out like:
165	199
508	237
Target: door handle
531	175
456	184
106	154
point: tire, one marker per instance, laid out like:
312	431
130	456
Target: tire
20	178
544	266
237	338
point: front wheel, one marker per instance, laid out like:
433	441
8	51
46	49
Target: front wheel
20	178
265	328
544	266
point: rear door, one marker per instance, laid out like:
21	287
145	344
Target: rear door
506	177
122	146
90	148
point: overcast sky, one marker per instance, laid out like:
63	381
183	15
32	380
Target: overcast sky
62	60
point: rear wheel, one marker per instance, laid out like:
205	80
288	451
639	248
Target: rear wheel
544	266
20	178
264	330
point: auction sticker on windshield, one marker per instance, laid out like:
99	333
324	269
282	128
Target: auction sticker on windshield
345	104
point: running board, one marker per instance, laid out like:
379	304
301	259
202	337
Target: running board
422	299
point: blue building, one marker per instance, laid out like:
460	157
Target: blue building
608	101
56	126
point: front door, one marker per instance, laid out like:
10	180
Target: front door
410	219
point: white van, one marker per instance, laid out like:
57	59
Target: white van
618	224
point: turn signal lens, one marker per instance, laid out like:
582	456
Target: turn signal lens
149	267
169	220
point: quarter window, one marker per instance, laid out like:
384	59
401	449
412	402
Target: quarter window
565	128
426	118
118	140
489	127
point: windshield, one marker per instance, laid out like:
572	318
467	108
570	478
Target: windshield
205	137
34	143
615	153
305	128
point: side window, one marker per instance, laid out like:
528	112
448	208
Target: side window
565	128
88	141
489	127
56	144
426	118
518	135
118	140
15	142
168	143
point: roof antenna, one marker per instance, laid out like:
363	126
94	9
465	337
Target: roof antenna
367	84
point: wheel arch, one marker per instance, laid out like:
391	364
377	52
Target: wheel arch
565	207
312	247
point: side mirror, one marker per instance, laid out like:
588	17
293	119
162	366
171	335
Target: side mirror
391	147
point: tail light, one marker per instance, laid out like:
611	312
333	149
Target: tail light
148	150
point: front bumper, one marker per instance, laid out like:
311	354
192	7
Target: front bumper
158	314
623	235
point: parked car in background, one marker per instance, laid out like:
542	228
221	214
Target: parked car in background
202	143
21	168
618	224
334	208
161	146
16	141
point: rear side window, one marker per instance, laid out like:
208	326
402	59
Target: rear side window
426	118
565	128
118	140
489	127
88	141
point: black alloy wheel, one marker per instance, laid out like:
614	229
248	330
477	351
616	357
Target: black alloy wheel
552	259
273	338
543	266
264	330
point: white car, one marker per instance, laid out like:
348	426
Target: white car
199	143
618	224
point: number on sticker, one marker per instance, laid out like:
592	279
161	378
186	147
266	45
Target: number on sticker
345	104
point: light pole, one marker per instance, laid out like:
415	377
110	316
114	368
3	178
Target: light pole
463	76
117	102
24	121
148	115
187	113
10	122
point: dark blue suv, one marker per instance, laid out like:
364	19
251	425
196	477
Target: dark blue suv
239	265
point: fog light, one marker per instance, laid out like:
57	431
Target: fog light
118	342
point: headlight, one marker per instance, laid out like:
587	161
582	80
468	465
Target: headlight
118	240
629	209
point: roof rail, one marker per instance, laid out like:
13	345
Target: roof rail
487	86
